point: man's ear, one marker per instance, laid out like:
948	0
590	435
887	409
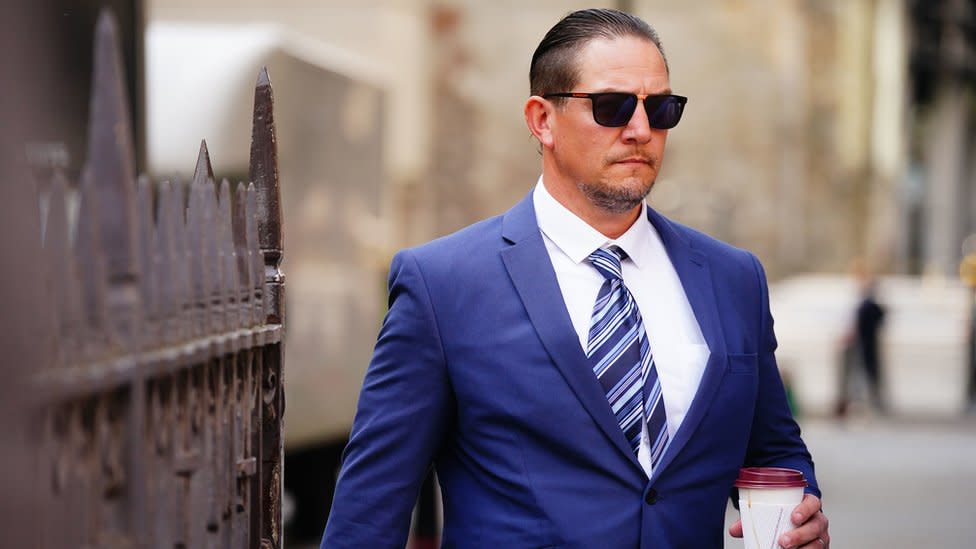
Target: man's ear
539	118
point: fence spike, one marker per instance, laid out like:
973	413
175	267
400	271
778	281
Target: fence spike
213	308
111	164
147	254
62	274
111	155
163	246
204	169
90	261
196	226
227	289
264	169
171	265
180	266
242	257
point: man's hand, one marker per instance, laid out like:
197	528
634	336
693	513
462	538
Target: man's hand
811	527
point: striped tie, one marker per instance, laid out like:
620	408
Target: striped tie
621	357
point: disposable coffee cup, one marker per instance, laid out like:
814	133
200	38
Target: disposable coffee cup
767	498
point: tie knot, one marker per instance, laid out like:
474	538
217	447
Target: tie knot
607	261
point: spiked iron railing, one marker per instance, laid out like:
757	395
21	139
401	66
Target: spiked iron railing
161	405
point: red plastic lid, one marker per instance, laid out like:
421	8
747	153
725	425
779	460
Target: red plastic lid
769	477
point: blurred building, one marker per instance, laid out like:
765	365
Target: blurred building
941	202
808	136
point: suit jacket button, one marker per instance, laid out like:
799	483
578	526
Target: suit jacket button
651	497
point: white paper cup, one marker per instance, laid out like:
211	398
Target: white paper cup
767	497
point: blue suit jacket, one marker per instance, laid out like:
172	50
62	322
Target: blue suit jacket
478	370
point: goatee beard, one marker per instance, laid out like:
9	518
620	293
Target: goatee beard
614	199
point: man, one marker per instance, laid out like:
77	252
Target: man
562	404
860	345
868	320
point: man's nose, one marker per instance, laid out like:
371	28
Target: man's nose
638	130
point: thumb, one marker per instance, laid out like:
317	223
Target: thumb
736	529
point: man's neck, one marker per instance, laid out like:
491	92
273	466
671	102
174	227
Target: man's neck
610	224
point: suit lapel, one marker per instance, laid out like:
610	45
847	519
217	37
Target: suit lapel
530	269
695	274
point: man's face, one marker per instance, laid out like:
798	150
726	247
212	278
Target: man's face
611	168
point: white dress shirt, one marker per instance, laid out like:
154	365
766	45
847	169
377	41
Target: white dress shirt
679	350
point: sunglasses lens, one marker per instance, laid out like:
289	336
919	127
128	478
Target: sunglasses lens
665	111
613	109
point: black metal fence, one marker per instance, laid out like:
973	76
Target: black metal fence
152	407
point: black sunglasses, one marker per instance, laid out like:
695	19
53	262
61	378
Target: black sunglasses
614	109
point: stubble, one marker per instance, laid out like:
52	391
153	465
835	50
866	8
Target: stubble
618	196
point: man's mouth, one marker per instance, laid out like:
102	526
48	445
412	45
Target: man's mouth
635	160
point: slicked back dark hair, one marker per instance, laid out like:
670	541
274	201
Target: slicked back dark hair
555	66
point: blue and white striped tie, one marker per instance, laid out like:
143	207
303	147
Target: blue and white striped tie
621	357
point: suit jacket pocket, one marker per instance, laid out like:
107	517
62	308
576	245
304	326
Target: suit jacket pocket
743	364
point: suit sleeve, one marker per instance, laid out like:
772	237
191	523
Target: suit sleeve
404	409
775	438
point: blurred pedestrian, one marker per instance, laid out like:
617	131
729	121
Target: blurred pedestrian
581	371
861	351
971	391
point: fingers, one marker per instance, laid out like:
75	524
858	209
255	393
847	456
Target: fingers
812	535
736	529
811	526
806	509
817	543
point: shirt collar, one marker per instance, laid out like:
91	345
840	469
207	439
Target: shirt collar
577	239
